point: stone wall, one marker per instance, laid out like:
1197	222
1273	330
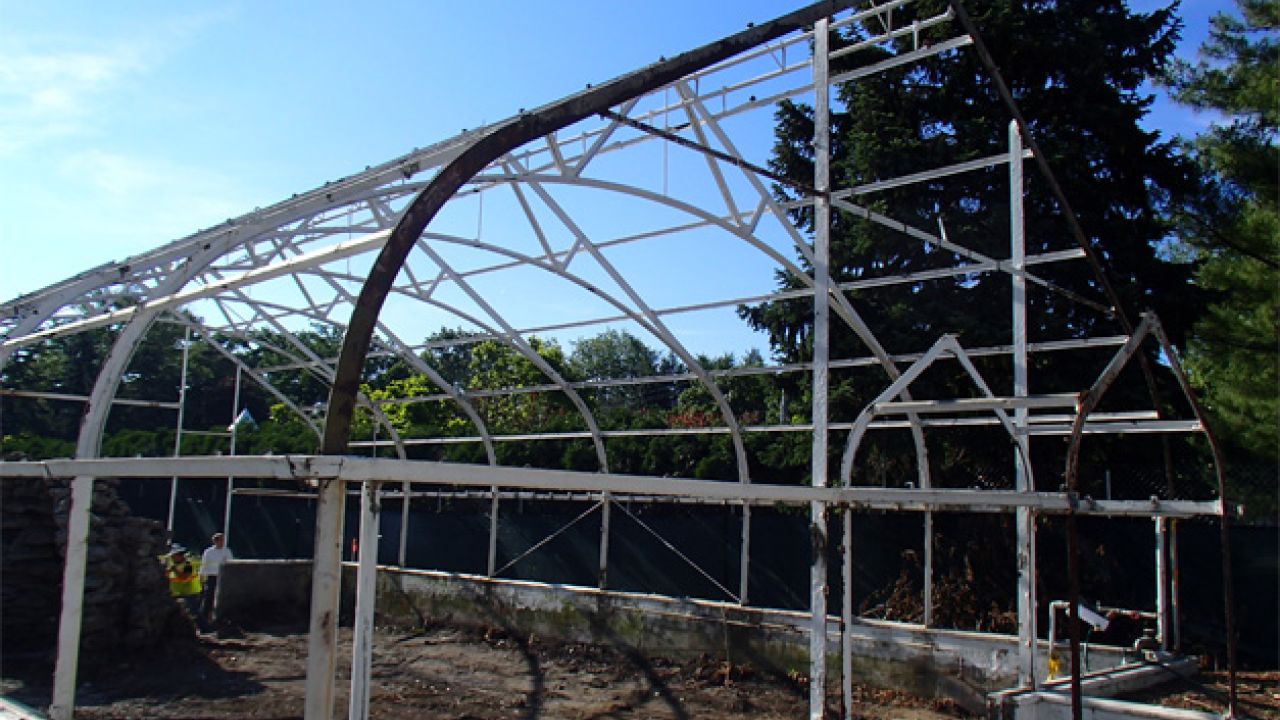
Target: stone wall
126	603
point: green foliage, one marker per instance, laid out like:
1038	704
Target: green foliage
1232	227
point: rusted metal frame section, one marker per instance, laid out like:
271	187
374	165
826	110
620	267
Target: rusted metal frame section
1073	222
945	343
370	507
401	350
601	138
1024	479
1077	232
843	307
305	469
659	329
322	370
479	154
962	251
701	136
515	339
797	40
648	318
89	445
1228	583
370	510
819	536
1149	325
518	341
701	147
556	157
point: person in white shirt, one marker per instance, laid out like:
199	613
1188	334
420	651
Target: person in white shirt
210	567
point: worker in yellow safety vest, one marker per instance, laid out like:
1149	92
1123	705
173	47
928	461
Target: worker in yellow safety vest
184	579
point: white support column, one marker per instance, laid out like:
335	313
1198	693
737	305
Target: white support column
492	562
744	561
1175	621
846	614
177	435
366	600
64	674
326	581
606	513
405	489
1162	583
231	482
1026	527
928	570
821	360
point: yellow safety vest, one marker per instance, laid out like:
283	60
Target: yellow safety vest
184	578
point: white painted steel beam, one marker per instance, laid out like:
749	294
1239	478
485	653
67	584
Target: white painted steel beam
818	531
1024	480
312	469
69	397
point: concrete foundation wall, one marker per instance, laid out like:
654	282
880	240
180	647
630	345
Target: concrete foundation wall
1051	706
961	665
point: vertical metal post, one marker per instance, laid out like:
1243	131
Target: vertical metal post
606	513
928	569
326	582
1026	526
492	563
62	706
1162	583
846	614
405	489
744	559
821	358
177	437
231	481
1175	622
366	600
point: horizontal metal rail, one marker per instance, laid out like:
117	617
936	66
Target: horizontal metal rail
313	468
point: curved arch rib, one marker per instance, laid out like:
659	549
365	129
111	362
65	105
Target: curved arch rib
945	344
515	338
501	139
657	327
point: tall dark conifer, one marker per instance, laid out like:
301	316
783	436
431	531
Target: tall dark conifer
1076	68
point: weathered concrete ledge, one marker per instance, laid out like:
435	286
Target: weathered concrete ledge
965	666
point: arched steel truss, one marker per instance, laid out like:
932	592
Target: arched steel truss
704	118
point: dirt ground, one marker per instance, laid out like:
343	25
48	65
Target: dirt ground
1257	694
439	673
475	674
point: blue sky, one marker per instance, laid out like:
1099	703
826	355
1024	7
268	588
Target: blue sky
124	126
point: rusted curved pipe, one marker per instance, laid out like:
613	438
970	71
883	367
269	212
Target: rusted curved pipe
502	139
